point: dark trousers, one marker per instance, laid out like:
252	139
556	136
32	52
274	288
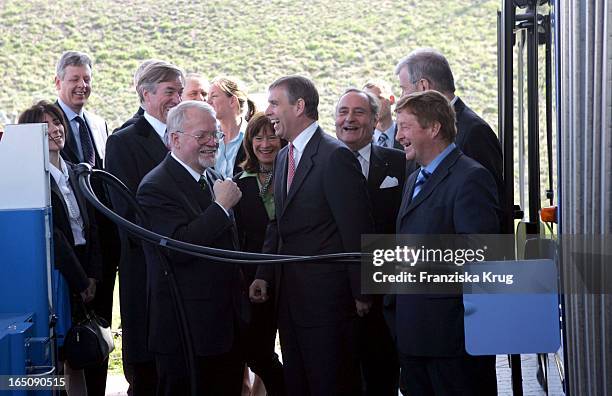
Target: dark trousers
319	361
466	375
144	378
377	355
216	375
260	355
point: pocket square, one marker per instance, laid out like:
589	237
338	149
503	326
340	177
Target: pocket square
389	182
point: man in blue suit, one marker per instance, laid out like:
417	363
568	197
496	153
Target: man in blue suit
449	194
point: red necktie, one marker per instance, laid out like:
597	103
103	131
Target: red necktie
291	167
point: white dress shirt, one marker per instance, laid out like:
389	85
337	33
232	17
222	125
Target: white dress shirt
364	159
74	213
160	127
300	142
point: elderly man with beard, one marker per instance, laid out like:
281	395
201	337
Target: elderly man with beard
184	199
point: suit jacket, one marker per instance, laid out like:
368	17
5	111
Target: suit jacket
131	154
139	113
326	211
212	292
460	197
386	162
476	139
76	268
98	132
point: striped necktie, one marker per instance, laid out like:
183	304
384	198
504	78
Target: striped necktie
421	179
382	140
290	167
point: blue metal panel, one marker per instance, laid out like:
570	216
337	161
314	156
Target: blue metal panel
23	265
526	321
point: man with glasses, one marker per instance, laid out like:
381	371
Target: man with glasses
184	199
130	154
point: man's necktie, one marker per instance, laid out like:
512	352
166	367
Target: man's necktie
382	140
203	183
89	155
290	168
421	179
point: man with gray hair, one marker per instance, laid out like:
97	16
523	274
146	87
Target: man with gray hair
139	70
131	153
86	143
185	199
385	171
196	87
425	69
88	132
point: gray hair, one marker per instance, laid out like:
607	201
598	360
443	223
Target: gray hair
373	101
155	73
177	114
140	69
431	65
71	58
383	86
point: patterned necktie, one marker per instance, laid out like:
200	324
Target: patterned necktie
382	140
203	183
87	147
421	179
291	167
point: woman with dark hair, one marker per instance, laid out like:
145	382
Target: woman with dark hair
76	254
229	101
253	212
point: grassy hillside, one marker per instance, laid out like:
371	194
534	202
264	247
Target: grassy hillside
337	44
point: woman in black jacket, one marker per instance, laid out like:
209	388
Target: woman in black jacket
76	252
253	212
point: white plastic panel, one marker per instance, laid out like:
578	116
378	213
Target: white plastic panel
24	162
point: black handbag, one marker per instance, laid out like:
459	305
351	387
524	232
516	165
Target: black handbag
89	341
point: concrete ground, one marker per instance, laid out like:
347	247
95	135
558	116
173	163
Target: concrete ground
117	386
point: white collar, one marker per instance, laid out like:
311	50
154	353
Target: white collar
453	100
193	173
59	174
366	151
159	126
303	137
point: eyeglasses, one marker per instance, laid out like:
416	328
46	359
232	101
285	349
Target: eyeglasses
205	136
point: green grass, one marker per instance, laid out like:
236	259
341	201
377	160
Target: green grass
337	44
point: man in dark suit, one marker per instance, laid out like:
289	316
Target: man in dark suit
386	128
131	153
385	170
425	69
87	134
182	200
322	207
450	194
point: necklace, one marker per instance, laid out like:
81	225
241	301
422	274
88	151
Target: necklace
265	186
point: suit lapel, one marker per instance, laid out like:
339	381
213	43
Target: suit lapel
304	165
98	133
378	168
280	181
195	198
55	190
441	172
150	141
